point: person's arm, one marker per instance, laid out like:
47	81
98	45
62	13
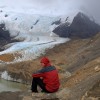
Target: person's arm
39	73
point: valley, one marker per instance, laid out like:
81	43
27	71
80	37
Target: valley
78	63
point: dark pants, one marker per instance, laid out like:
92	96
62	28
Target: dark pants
38	82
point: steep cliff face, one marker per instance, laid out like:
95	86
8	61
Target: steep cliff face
81	26
5	37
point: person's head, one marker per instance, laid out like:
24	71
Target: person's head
45	62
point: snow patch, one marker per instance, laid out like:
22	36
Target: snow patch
6	76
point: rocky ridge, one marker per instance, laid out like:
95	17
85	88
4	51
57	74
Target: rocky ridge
82	26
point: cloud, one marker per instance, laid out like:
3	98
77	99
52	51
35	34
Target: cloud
92	7
56	7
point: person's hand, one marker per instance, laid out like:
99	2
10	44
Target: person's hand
41	77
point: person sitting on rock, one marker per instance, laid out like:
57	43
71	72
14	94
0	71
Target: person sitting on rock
46	78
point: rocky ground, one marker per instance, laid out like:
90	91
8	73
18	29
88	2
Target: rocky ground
78	63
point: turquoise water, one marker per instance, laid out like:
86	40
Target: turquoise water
11	86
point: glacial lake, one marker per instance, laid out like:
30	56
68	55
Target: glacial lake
11	86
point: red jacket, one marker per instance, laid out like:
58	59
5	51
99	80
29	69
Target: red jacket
50	77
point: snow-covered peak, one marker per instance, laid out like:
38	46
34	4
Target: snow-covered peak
27	23
34	32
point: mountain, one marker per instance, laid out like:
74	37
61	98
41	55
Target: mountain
30	34
27	34
28	37
81	26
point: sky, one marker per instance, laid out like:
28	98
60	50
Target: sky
55	7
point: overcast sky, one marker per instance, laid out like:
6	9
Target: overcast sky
56	7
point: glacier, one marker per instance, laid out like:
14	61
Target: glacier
34	32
